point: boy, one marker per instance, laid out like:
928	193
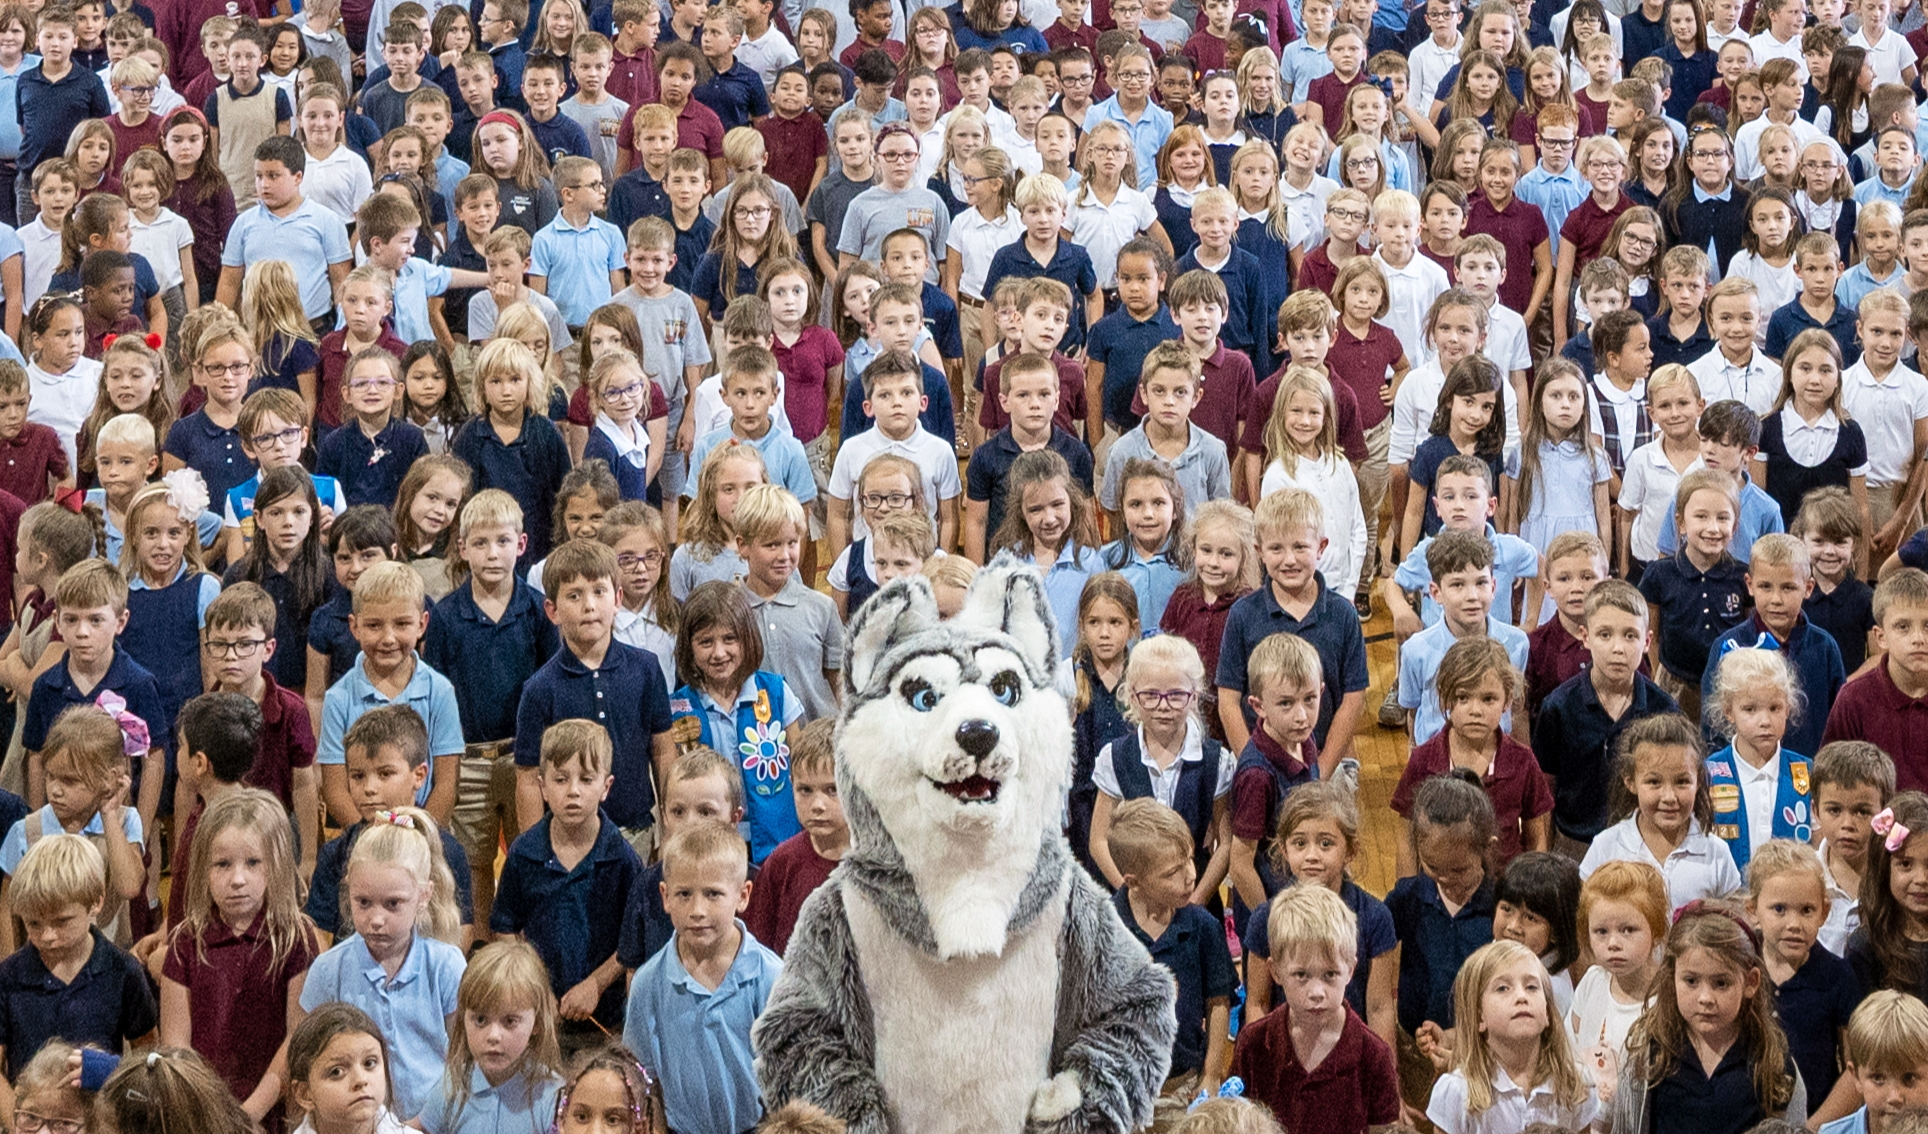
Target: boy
477	206
804	861
1169	386
1852	781
692	1004
1313	1061
386	101
1877	233
1152	847
688	182
873	22
216	743
802	635
596	112
373	452
1881	705
750	391
357	540
36	463
500	30
1734	370
1305	59
1028	395
567	881
54	189
1817	261
852	170
701	787
1464	498
1247	314
1119	342
734	91
1601	59
206	68
244	112
665	316
1841	603
1480	266
793	133
385	755
906	260
1279	757
274	432
285	226
765	48
489	637
893	393
1890	400
1730	436
1575	562
1887	1053
1043	307
1779	579
640	192
475	83
1413	281
1681	335
367	301
1554	184
1461	564
896	323
1291	536
1914	251
1070	28
1895	163
577	258
1044	252
54	97
1603	285
557	135
596	678
508	256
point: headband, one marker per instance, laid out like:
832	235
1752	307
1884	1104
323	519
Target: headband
501	118
152	340
1700	906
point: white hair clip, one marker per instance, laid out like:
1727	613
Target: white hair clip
187	492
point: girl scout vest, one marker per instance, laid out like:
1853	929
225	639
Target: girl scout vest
759	747
1194	797
1793	818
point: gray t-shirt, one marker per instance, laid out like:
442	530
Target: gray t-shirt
802	638
830	202
877	212
599	124
482	314
672	339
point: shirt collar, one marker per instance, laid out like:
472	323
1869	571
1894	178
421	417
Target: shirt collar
635	449
1704	196
138	583
1793	422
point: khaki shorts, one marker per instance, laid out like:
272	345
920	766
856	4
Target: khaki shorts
817	449
642	840
485	801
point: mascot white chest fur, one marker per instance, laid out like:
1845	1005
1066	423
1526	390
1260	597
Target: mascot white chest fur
959	973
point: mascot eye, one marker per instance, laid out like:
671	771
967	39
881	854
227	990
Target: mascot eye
1005	688
920	694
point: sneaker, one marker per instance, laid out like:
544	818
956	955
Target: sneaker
1362	602
1391	713
1346	775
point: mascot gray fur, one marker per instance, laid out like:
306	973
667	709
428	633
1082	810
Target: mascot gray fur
960	973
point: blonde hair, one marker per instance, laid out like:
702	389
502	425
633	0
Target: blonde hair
1285	658
1888	1033
503	975
1783	856
703	843
1668	376
1038	190
389	581
89	584
260	814
127	429
1279	445
489	508
514	321
704	530
1146	835
56	872
1229	1115
158	494
409	839
1289	509
1395	205
1749	668
271	310
1169	650
1778	549
1235	519
1314	917
1474	1060
765	509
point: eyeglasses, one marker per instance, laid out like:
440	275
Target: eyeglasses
882	155
1112	150
27	1122
288	436
758	212
1355	215
622	393
1366	162
646	559
1163	698
1605	164
1633	241
237	369
244	648
1555	143
1073	80
1701	155
139	92
1133	76
886	500
596	185
973	182
361	384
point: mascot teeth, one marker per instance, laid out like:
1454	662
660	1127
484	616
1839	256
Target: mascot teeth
975	789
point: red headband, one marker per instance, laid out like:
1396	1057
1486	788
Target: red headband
501	117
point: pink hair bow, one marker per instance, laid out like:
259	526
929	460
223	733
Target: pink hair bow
1885	824
134	738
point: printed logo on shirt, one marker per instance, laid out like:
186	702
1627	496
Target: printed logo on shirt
673	331
920	218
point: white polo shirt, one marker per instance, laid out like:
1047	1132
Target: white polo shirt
1702	866
1412	291
976	240
935	459
1756	383
1887	410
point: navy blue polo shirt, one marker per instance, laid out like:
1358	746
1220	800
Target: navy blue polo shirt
990	467
1817	663
573	917
1847	614
706	283
1573	740
691	244
48	111
626	695
370	469
488	660
1376	938
1695	607
1121	343
212	451
462	253
1070	266
1814	1005
109	1001
54	692
636	195
331	862
329	635
940	319
646	924
146	286
1331	626
1668	349
530	468
1245	293
1193	949
737	95
939	418
1436	944
1790	319
1690	1101
560	137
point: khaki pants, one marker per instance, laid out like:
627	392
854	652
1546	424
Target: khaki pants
1686	693
484	814
1881	508
1102	449
1373	477
970	317
1173	1100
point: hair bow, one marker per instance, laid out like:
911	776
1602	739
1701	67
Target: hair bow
70	499
1885	824
394	819
187	493
134	737
152	340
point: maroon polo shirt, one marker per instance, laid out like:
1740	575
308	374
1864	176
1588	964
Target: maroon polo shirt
792	873
287	741
1345	407
1252	811
237	996
1329	91
1553	655
1593	115
1317	272
697	128
334	363
1071	397
1226	389
1588	224
1871	708
1202	624
806	366
793	146
1354	1088
1444	260
28	459
1207	53
889	47
1514	783
127	139
183	865
1058	37
1364	366
632	78
1520	228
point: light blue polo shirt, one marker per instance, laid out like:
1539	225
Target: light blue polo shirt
14	847
310	239
697	1041
1152	577
519	1104
577	263
417	280
1419	663
784	461
412	1010
1856	1123
207	527
1064	583
449	171
1148	134
428	693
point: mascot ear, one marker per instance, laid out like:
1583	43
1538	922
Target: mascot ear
902	608
1008	597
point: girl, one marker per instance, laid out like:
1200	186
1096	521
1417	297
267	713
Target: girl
1788	890
988	23
1504	991
287	559
82	774
526	325
1651	142
342	1073
1623	351
1547	84
1651	481
1467	419
1108	210
1264	225
450	35
100	222
1050	523
1637	242
609	329
816	43
401	899
1890	949
1810	400
889	484
1164	687
1457	156
1481	94
1218	95
991	222
1224	570
341	180
1602	162
201	194
1262	97
1360	165
169	588
160	235
1749	100
241	887
50	540
405	155
1557	481
132	380
1537	903
1767	255
1688	54
62	381
719	660
47	1094
648	618
1661	812
1455	331
556	31
284	340
507	1036
1350	44
287	51
609	1091
1843	114
1755	696
1477	686
513	392
1777	148
1184	167
930	46
965	133
431	397
1107	627
91	150
1304	190
1624	914
171	1090
750	236
812	358
1441	913
707	550
508	151
1825	202
850	301
1708	1003
427	503
632	451
1584	20
1302	434
1152	552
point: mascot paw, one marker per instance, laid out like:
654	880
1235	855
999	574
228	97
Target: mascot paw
1057	1099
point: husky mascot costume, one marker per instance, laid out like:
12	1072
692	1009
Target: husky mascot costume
959	973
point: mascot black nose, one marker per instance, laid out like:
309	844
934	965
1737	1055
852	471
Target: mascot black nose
977	737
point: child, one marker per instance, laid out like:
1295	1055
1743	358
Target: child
1558	481
370	459
1413	282
1778	580
1815	991
1681	334
889	487
1852	780
1244	311
62	382
704	882
1578	729
1278	758
1169	387
1751	698
530	468
1817	262
801	632
1651	478
208	440
568	252
1461	565
675	357
209	1004
274	433
894	396
54	97
1810	399
1699	591
1050	523
1224	559
708	548
804	861
504	1059
1890	400
401	900
1663	813
312	238
1587	225
1041	202
1730	435
36	463
1768	252
283	340
701	787
1624	914
433	401
237	125
1107	628
1885	1053
506	253
1445	912
1877	235
1522	1045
